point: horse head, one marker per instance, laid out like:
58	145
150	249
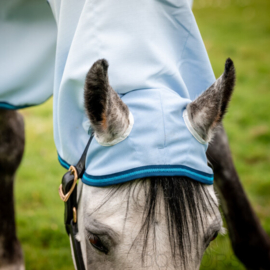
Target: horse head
156	222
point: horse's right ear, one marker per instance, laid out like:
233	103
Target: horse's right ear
108	114
208	109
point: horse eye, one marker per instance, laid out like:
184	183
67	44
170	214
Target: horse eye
211	239
96	243
214	236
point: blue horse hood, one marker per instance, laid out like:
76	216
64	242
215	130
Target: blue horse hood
158	64
159	144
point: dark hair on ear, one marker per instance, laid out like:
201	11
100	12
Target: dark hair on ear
183	198
96	91
229	81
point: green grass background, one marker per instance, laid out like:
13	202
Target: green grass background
238	29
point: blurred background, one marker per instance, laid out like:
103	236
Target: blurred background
239	29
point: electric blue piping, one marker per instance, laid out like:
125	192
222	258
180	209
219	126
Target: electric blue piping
141	172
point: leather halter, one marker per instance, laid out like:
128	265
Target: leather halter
68	194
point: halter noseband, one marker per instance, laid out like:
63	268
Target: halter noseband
68	194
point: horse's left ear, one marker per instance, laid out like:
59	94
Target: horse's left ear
208	109
108	114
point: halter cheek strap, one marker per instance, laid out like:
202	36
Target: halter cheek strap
68	194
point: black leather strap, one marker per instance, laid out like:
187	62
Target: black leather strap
70	224
76	246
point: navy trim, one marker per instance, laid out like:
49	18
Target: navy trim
141	172
63	162
8	106
147	171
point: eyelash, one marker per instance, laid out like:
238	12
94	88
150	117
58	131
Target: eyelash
214	236
95	241
212	239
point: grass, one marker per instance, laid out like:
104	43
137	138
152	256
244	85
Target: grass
238	29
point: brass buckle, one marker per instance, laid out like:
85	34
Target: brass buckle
65	197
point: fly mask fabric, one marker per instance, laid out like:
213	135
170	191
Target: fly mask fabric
158	65
28	40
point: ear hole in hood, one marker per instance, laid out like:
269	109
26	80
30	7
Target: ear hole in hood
121	137
191	129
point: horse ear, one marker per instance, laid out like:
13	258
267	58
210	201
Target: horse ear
108	115
208	109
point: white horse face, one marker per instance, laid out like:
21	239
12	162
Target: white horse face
155	223
110	225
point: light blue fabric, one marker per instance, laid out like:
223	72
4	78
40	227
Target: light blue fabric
158	140
27	51
158	64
